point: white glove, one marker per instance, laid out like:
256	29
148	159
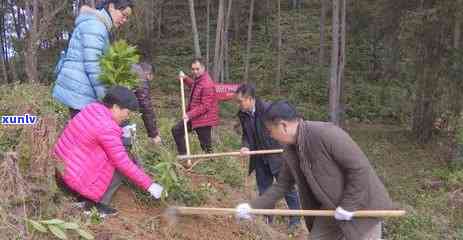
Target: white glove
343	215
155	190
181	74
129	130
242	211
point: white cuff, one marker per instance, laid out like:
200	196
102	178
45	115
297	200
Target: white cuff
155	190
128	130
242	211
342	214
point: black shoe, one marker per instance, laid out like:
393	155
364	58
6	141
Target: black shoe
102	209
88	206
105	210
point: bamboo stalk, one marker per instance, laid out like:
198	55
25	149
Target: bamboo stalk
285	212
185	126
211	155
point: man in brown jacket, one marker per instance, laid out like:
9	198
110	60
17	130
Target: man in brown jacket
331	172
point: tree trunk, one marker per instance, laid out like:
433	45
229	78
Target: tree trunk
268	10
423	111
321	56
456	90
146	26
221	53
208	32
430	53
161	5
15	13
218	41
4	71
457	29
342	61
278	77
40	17
226	69
30	53
333	86
294	4
236	16
457	87
194	29
248	45
30	58
3	48
4	60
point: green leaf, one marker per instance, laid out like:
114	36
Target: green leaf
37	226
58	232
70	225
53	221
116	65
86	235
160	165
173	175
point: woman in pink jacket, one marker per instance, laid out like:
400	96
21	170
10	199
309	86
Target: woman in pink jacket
94	158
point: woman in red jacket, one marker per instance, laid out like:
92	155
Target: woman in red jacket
94	158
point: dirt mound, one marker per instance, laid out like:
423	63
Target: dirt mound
136	221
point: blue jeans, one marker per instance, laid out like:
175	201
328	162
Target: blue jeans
264	179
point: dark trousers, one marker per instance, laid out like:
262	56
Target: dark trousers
116	182
204	135
73	112
265	178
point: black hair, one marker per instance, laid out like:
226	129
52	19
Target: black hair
109	101
280	110
198	60
247	90
122	97
118	4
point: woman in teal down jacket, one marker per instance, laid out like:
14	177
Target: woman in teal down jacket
77	82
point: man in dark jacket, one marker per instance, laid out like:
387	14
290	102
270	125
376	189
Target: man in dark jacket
331	172
256	137
145	71
202	112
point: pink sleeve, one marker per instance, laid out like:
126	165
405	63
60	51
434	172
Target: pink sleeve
110	140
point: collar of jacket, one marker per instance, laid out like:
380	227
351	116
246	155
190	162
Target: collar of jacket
202	77
258	108
101	14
